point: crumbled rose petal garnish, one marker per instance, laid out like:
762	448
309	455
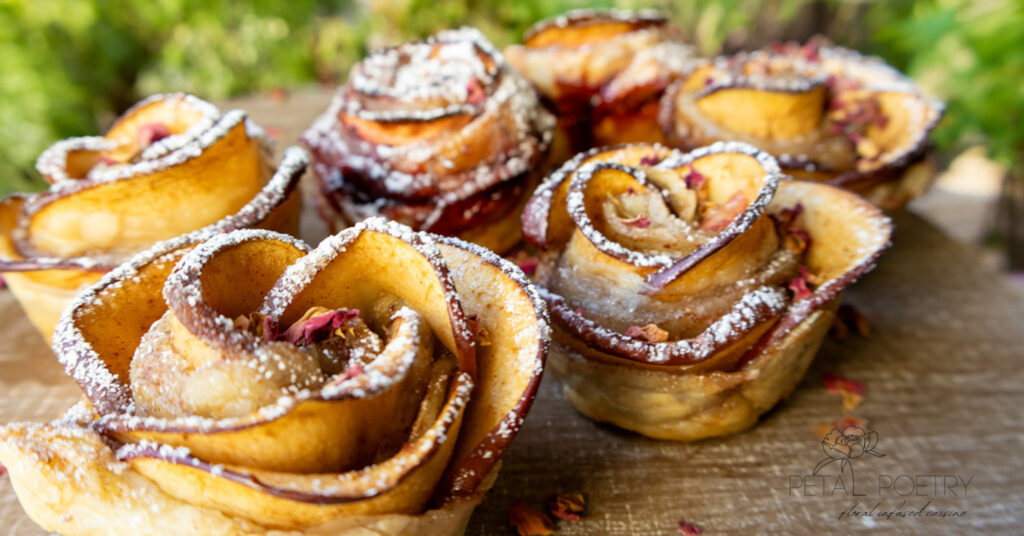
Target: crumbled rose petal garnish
3	470
150	133
852	115
823	429
848	319
526	262
529	522
650	333
317	324
106	161
718	218
640	221
579	311
353	370
273	133
798	285
567	506
794	237
475	92
852	391
688	529
836	383
649	160
278	94
694	179
810	51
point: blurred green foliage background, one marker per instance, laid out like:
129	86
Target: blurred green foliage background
69	66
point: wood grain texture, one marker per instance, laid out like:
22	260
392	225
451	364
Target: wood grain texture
945	392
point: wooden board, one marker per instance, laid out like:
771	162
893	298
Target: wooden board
943	366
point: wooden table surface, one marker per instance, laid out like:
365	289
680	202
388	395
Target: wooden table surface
943	366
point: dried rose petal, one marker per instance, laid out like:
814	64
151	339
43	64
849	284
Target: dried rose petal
649	160
529	522
273	133
353	370
798	285
278	94
475	92
151	133
526	262
852	391
650	333
689	529
694	179
640	221
567	506
3	470
107	161
834	383
317	325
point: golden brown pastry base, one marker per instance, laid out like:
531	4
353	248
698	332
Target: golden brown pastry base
664	404
69	482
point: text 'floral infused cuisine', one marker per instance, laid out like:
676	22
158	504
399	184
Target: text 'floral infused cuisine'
826	113
171	165
368	385
439	134
690	292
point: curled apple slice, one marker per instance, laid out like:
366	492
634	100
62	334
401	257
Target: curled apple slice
827	113
603	72
169	166
678	271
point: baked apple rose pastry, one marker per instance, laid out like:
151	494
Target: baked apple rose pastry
690	292
603	73
369	385
437	134
826	113
170	165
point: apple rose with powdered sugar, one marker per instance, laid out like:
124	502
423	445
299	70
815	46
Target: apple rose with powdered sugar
368	385
438	134
689	292
170	165
827	113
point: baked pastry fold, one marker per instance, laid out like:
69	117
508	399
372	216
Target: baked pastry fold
603	73
690	292
437	134
170	165
249	385
827	113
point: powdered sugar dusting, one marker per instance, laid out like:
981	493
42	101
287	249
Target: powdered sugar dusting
454	73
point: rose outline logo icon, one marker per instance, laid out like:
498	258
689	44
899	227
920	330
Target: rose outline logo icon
845	445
